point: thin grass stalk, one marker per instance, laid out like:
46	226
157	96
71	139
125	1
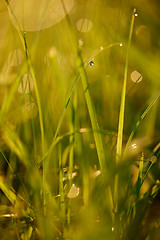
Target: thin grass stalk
29	62
71	153
88	97
123	96
122	111
138	123
61	192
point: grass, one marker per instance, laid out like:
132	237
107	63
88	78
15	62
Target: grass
66	172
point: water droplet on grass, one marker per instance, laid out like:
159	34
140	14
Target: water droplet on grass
91	63
134	145
80	42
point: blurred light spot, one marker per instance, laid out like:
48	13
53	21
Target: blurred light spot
80	42
27	84
52	52
38	14
92	146
112	229
9	215
15	58
82	130
76	167
136	77
97	173
154	159
84	25
101	48
98	220
107	76
73	192
120	44
136	14
134	145
74	174
46	60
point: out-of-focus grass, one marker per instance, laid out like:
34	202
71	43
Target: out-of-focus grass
60	93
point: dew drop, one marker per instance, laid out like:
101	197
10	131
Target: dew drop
120	44
80	42
91	63
136	14
134	145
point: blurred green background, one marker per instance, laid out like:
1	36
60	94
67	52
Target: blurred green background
96	24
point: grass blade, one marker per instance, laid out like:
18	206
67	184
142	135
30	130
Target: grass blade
123	97
139	121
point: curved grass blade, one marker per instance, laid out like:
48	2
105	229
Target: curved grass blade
139	121
29	62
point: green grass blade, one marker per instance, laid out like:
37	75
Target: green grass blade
12	140
7	191
29	62
122	111
123	96
139	121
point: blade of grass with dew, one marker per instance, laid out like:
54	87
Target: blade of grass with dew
122	110
123	96
139	121
87	63
88	97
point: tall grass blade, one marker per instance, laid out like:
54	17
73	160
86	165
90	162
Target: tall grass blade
123	96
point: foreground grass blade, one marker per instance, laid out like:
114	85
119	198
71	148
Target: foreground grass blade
29	62
123	96
121	114
15	144
9	194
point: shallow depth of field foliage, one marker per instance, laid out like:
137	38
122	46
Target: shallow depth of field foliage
79	119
